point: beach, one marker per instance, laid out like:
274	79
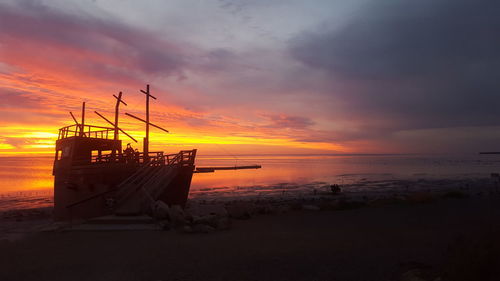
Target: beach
376	241
379	226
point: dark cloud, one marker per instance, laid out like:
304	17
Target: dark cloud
286	121
414	64
19	100
104	49
107	47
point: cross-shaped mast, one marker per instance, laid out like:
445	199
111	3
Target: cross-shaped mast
146	139
117	108
115	124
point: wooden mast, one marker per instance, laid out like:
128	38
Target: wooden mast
117	108
115	124
82	125
146	139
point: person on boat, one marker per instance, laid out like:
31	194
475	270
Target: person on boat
129	153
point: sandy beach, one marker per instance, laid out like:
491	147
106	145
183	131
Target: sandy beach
387	241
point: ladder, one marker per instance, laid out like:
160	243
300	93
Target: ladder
138	192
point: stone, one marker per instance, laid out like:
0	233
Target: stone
164	225
187	229
240	210
207	209
176	215
310	208
223	223
412	275
202	228
160	210
208	220
335	188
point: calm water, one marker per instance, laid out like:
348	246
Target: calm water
31	178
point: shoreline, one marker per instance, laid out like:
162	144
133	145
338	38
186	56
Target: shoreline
379	240
24	199
18	223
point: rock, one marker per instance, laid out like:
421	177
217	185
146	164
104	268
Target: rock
202	228
187	229
176	215
223	223
240	210
164	225
209	220
310	207
160	210
335	188
201	210
412	275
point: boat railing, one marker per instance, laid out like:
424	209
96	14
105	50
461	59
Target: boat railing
184	157
89	131
155	158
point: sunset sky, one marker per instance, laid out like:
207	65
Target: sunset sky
262	76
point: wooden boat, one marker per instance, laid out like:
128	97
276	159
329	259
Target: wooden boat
94	176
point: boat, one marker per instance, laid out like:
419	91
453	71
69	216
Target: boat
95	177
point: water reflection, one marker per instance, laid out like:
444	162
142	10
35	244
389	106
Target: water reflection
35	173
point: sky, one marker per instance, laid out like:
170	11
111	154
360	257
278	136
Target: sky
261	76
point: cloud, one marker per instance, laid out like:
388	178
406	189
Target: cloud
90	41
412	64
291	122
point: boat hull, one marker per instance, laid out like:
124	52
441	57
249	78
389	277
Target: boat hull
86	192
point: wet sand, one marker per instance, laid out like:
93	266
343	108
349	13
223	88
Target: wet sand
370	243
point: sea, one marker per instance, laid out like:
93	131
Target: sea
27	182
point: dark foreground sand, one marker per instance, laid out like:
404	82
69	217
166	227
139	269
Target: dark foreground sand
370	243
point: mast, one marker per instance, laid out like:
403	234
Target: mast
82	125
117	110
115	124
146	139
